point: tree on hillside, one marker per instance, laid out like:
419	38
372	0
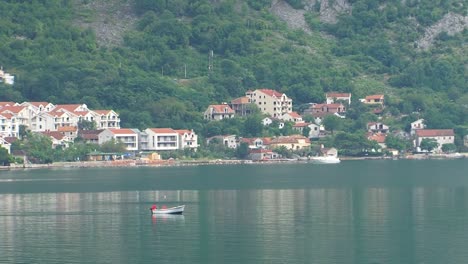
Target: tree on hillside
332	123
86	125
113	146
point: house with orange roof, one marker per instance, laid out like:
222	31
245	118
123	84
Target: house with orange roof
128	136
292	117
106	119
263	154
293	142
8	125
334	97
375	99
58	139
242	106
270	102
441	136
187	139
2	104
159	139
336	108
379	138
218	112
70	132
229	141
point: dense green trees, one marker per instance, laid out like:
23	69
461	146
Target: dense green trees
183	55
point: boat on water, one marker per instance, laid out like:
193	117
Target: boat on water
325	160
171	210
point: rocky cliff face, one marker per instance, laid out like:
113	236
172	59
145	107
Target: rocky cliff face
450	23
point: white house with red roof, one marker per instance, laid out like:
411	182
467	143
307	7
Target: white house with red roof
271	102
441	136
418	124
160	139
106	119
254	143
187	139
70	132
39	106
8	125
292	117
58	139
218	112
127	136
333	97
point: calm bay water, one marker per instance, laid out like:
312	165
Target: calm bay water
353	212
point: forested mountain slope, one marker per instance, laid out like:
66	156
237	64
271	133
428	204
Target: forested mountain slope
149	59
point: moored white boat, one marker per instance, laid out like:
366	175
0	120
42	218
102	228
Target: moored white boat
172	210
325	160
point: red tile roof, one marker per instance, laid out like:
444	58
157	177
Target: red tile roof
37	104
435	133
68	107
271	92
102	112
219	109
2	104
12	109
303	124
182	131
375	96
337	95
121	131
163	130
241	100
55	134
380	138
67	129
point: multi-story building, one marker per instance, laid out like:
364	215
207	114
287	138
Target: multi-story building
271	102
187	139
125	135
242	106
160	139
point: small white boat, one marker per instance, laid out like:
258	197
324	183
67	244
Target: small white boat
325	160
172	210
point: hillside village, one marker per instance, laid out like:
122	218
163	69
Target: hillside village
63	124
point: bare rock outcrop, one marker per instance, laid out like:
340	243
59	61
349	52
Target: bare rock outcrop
451	23
110	19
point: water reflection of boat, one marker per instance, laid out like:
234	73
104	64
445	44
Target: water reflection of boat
168	218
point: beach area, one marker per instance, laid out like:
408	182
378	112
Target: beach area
174	162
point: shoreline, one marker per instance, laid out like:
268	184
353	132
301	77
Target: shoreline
177	163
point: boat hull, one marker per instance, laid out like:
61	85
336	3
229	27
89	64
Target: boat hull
325	160
173	210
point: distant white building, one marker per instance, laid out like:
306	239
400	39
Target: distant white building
418	124
6	77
